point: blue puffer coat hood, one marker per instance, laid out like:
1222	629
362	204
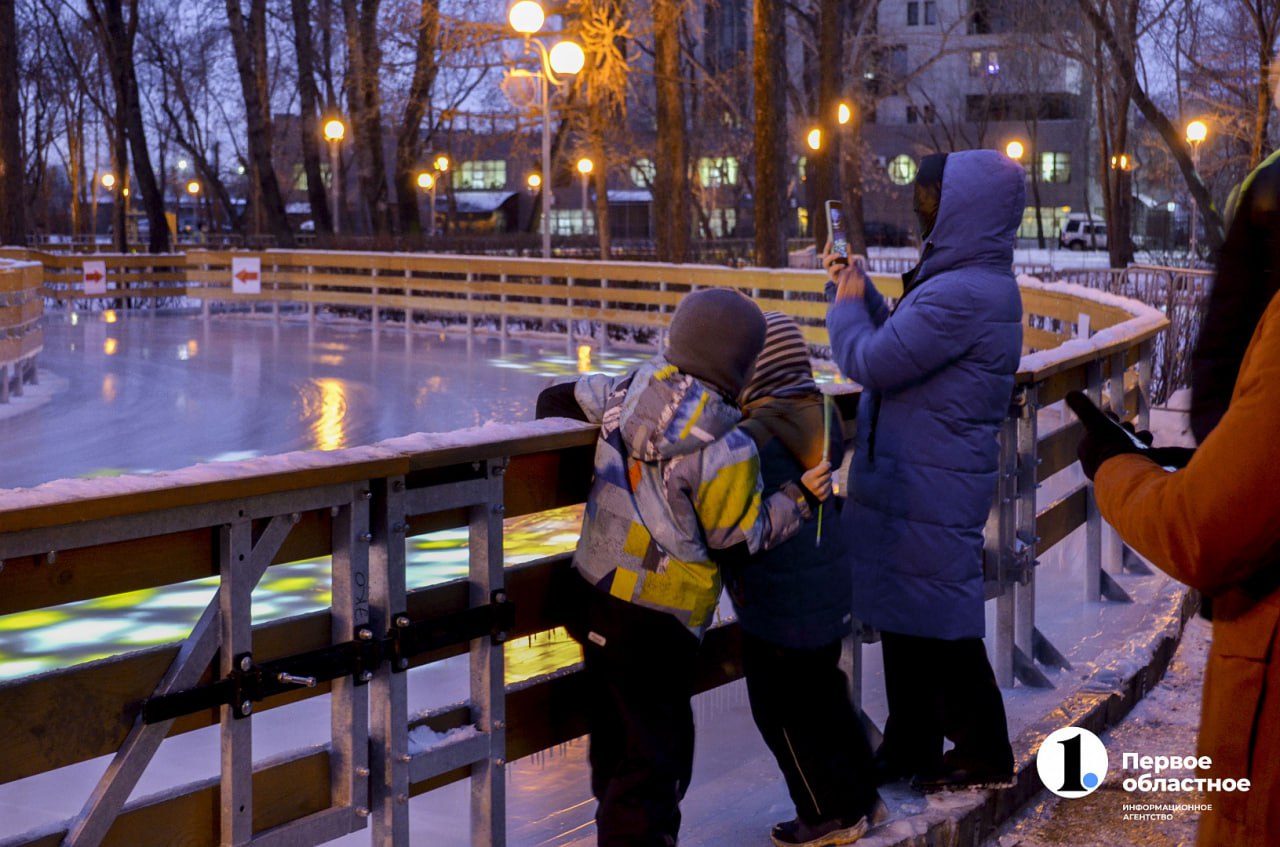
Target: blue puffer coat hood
938	376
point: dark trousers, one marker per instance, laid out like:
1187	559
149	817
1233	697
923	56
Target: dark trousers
942	689
639	685
800	702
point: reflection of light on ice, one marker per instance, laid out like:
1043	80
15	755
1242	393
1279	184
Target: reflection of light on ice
110	346
109	387
329	429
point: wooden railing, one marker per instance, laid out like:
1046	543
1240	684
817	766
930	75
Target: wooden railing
21	336
73	540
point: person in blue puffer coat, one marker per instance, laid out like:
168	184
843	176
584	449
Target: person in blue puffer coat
938	375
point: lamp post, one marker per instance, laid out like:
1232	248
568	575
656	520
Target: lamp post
193	189
427	182
334	131
1197	131
585	167
564	57
1014	150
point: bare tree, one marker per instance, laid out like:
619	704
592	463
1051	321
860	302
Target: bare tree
769	77
13	227
252	71
309	109
117	34
671	179
364	94
409	139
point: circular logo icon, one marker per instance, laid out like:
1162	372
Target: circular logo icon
1072	762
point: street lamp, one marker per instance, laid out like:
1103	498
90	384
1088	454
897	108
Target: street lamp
844	114
1197	132
1014	150
108	181
565	58
334	131
534	181
585	167
427	182
814	139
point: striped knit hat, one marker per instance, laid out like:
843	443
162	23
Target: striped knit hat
783	369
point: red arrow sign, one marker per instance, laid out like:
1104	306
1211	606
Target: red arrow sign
246	276
93	277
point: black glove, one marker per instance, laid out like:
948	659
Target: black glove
1172	458
1103	437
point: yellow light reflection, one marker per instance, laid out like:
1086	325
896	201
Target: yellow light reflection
109	346
330	427
109	388
109	316
584	359
193	347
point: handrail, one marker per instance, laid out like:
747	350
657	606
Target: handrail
75	539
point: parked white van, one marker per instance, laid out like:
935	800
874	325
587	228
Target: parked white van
1081	233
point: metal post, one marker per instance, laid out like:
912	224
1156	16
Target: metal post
1025	538
546	163
349	698
1093	518
235	594
488	707
389	692
335	177
1004	509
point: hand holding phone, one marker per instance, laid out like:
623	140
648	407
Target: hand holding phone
836	230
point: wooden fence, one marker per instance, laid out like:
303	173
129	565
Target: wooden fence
74	540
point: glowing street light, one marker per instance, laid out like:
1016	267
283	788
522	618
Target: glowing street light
814	139
193	188
108	181
442	163
565	58
334	131
534	181
844	114
1014	150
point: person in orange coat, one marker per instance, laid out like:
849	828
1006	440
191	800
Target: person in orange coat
1215	525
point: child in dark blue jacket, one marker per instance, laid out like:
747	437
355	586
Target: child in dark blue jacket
793	603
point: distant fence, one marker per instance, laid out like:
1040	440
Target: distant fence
21	336
74	540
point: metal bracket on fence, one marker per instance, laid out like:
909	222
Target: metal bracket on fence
412	638
250	683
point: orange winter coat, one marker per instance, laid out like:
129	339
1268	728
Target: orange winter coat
1215	525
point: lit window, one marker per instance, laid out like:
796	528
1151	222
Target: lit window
572	222
481	176
902	170
715	171
1055	167
643	173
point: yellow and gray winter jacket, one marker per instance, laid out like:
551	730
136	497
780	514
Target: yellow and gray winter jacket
675	481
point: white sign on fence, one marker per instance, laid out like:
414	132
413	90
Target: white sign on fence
246	275
95	277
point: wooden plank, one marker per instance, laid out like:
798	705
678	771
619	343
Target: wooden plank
284	792
1060	519
1040	339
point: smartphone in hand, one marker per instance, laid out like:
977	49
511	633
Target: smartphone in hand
836	228
1094	418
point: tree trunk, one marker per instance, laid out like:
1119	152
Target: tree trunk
13	225
600	154
259	145
364	94
671	178
309	98
825	179
409	141
769	77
